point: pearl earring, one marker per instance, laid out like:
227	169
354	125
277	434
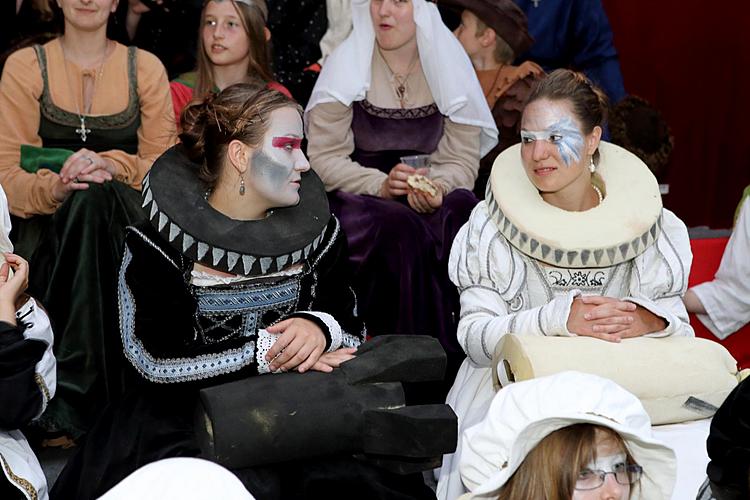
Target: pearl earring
592	167
242	184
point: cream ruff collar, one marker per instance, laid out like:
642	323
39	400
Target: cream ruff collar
622	227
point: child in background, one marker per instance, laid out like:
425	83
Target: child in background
232	48
494	33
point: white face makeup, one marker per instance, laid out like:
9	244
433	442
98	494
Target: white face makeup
276	168
611	489
560	130
555	153
607	463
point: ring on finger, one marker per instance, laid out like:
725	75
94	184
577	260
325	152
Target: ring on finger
88	158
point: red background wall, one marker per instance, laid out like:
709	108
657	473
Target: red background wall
691	59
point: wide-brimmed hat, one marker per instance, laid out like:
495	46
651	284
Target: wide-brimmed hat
503	16
524	413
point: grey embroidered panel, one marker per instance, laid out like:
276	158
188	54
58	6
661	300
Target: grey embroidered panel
237	312
171	370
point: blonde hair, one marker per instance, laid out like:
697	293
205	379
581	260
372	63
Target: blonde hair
551	469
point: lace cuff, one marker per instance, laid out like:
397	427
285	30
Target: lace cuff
327	323
264	343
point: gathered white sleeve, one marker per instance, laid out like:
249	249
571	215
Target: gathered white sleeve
727	298
489	276
660	277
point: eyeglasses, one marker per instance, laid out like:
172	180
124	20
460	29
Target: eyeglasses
624	474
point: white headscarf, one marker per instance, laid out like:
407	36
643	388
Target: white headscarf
5	244
453	83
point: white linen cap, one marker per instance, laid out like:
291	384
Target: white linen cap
524	413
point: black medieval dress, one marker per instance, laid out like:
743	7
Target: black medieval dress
179	336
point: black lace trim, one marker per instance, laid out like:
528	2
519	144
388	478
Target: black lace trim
580	279
399	113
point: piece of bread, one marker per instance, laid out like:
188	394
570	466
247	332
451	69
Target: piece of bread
422	183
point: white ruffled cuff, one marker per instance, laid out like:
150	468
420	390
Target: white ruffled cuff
263	345
334	329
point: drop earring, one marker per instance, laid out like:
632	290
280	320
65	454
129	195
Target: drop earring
242	184
592	167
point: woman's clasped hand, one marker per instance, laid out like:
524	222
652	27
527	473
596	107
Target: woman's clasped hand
610	319
81	168
301	346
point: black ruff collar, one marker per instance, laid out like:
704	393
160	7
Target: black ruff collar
173	198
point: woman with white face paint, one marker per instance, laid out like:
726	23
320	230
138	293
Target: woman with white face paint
240	271
572	240
570	436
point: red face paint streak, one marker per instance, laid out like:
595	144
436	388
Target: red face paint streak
283	142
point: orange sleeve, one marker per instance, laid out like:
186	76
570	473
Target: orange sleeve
20	89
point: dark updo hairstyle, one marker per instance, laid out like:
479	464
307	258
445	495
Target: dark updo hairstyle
238	112
590	103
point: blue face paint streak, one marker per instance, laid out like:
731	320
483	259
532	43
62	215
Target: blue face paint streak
564	134
570	143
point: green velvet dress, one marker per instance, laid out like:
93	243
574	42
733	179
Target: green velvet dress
74	256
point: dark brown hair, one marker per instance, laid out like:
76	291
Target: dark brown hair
44	9
253	18
551	469
238	112
590	103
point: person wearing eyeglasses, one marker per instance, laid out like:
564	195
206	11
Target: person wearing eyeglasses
569	436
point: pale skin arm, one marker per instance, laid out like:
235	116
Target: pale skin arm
692	303
12	288
301	347
611	319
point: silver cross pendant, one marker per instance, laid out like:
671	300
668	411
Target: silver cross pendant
83	131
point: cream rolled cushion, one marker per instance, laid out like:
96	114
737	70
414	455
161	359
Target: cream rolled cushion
662	372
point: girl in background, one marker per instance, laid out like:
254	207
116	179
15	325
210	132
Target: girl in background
232	48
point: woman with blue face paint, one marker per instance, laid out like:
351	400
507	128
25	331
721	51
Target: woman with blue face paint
572	240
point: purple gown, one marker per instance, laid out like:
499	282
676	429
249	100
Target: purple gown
400	257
